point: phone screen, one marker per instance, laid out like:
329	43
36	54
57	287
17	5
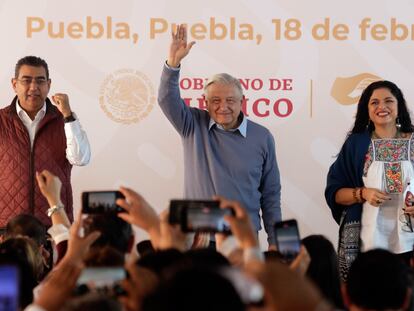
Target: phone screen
287	238
98	202
207	219
96	277
9	288
199	215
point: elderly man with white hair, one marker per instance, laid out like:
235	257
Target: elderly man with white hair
224	153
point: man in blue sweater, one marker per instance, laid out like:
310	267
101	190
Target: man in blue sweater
224	153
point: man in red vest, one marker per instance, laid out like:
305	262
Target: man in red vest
36	134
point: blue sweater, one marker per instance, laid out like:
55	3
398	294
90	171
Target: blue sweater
225	163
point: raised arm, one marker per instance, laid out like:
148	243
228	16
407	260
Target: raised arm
169	97
50	187
78	151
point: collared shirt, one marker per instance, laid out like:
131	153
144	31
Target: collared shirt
31	125
242	128
77	145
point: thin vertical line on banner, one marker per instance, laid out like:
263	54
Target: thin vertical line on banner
311	98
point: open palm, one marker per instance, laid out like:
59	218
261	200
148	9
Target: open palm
179	47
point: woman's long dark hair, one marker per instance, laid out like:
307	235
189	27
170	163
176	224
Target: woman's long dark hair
323	268
362	122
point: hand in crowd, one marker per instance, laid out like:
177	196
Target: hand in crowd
272	247
179	47
171	235
78	246
139	213
302	261
58	286
61	102
374	197
201	240
240	224
49	186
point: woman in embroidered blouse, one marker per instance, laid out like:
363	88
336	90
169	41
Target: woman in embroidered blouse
367	182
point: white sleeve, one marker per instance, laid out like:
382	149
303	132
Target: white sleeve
59	233
78	151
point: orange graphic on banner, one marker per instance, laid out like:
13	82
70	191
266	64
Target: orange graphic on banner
347	91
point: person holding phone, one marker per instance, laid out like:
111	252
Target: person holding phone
366	183
224	152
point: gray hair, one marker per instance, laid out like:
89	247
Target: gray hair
224	78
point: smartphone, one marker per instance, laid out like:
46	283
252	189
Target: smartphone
199	215
100	202
9	288
95	277
287	239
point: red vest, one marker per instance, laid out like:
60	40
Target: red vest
19	192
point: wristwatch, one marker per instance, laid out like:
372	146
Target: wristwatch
53	209
70	118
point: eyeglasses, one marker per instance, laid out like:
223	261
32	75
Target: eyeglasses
37	81
229	100
405	219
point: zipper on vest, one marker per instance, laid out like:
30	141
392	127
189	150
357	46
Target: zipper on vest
32	172
31	169
32	181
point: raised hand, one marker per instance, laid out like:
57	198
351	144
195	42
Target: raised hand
78	246
179	48
61	101
49	186
171	236
240	224
139	213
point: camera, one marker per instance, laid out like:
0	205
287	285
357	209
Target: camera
287	239
100	202
199	215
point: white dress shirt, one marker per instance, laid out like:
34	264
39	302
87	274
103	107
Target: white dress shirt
78	151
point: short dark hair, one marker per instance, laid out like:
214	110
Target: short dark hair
114	231
187	289
378	279
33	61
27	225
362	118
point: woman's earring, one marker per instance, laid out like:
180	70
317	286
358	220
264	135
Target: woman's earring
369	123
397	123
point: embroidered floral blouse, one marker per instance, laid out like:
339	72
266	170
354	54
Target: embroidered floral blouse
389	168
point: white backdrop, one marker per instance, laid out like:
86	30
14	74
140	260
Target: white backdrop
303	63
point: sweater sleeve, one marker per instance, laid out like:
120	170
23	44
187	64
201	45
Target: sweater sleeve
172	105
270	189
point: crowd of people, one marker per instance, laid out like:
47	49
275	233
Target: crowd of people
92	261
61	266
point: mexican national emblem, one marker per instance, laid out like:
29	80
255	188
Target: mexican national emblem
127	96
